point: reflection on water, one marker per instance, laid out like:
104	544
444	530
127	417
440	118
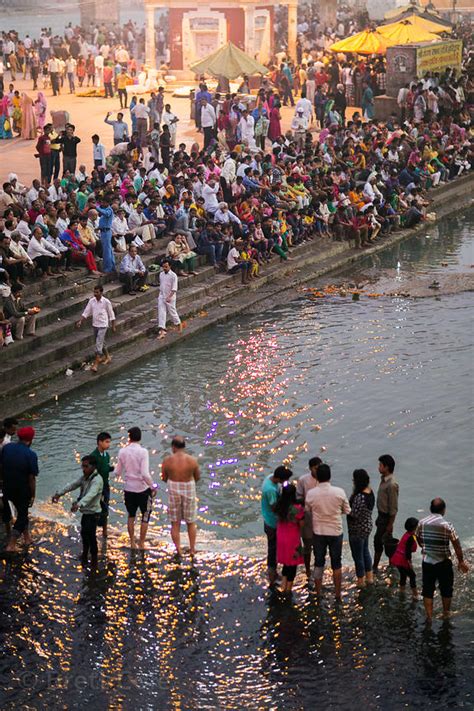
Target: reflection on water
144	632
348	380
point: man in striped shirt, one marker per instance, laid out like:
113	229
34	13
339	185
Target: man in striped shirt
435	534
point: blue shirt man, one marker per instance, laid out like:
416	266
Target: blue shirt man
270	494
19	466
105	226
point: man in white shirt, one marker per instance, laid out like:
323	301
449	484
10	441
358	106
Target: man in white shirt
228	175
139	488
141	113
208	121
70	71
167	299
209	193
99	70
304	485
54	69
327	504
33	193
103	316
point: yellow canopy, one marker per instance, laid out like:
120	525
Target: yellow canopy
229	61
406	32
432	22
421	23
366	42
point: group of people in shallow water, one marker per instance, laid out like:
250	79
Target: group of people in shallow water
300	518
306	517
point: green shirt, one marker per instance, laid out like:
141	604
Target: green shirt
103	464
270	494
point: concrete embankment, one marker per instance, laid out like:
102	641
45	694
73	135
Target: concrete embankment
34	370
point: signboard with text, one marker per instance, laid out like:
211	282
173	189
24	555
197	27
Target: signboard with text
436	57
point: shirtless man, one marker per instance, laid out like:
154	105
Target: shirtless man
181	472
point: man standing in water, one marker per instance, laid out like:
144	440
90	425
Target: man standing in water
387	506
102	458
270	493
327	505
19	465
435	534
167	299
139	487
304	484
181	472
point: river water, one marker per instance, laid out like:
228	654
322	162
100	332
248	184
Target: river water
332	377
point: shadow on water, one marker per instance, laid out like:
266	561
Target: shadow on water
144	631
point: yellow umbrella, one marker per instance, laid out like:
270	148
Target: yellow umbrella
405	32
366	42
421	23
229	61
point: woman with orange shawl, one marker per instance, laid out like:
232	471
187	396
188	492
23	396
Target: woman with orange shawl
28	118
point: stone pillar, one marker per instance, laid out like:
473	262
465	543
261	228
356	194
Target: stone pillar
150	52
249	12
292	29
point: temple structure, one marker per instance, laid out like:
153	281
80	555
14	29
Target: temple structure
196	29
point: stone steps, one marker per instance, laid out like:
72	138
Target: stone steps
62	346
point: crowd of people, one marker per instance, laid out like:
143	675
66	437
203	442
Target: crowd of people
300	519
249	193
19	470
306	518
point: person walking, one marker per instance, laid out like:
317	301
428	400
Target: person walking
434	534
208	122
19	465
102	458
167	299
139	488
327	505
181	472
387	506
54	70
269	498
304	484
103	316
359	523
90	485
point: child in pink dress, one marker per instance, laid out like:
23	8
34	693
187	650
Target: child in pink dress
289	527
402	556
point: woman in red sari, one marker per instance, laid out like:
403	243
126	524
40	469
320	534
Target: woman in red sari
274	130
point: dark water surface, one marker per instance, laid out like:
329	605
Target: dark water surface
343	380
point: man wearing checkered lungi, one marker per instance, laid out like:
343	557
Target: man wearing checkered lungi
181	472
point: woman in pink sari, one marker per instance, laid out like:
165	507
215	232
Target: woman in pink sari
41	106
28	118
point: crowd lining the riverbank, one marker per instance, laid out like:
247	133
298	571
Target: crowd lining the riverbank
248	195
